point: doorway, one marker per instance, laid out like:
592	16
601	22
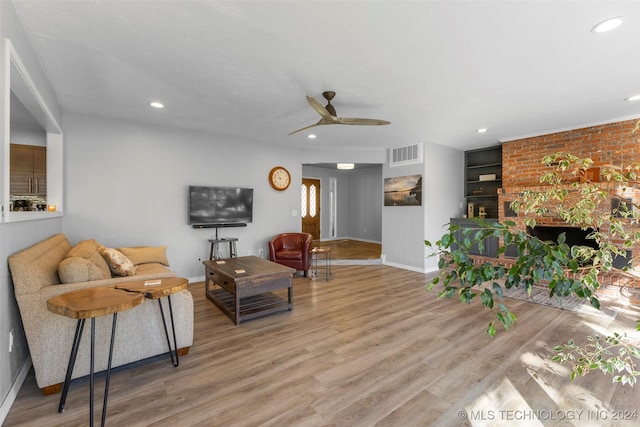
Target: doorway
310	207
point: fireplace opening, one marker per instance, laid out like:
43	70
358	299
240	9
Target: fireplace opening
575	236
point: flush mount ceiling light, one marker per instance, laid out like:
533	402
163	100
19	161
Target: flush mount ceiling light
633	98
482	130
311	136
156	104
607	25
345	166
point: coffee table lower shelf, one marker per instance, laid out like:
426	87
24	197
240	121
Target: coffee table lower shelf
251	307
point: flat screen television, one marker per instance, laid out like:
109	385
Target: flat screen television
220	206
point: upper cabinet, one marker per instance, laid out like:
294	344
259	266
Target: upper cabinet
28	166
483	178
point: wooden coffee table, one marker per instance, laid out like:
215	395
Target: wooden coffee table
157	289
241	287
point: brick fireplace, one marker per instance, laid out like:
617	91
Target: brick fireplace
605	144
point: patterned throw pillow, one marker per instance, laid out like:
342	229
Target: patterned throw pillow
119	264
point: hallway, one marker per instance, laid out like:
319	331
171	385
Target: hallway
351	249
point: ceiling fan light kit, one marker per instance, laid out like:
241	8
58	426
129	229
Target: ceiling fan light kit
328	115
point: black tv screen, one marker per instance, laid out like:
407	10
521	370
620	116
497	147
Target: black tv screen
220	206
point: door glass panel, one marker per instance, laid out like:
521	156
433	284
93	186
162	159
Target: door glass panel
312	201
303	198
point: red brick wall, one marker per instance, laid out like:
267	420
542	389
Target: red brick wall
612	143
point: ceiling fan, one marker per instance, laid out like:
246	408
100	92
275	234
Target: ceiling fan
329	117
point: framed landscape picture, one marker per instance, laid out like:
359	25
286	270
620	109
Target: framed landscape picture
403	191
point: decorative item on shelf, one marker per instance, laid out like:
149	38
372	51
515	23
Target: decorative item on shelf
470	210
51	208
482	213
477	191
590	175
487	177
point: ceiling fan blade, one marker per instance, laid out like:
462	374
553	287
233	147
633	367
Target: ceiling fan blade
328	116
304	128
320	123
361	122
319	108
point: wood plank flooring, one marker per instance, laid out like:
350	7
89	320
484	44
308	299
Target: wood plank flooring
370	347
351	249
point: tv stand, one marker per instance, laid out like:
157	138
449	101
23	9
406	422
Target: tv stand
215	243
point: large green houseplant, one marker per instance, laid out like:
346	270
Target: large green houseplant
566	271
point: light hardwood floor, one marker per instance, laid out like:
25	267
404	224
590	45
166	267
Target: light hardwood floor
370	347
351	249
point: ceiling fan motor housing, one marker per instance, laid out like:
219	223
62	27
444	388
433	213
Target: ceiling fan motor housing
328	95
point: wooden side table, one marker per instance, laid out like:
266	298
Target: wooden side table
158	289
88	304
316	253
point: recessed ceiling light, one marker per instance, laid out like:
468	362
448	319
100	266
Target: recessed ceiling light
345	166
311	136
482	130
156	104
607	25
633	98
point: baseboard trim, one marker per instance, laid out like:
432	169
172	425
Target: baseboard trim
14	390
404	267
196	279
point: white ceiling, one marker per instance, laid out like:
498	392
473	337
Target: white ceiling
438	70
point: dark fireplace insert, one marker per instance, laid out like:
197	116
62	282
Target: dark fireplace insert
575	236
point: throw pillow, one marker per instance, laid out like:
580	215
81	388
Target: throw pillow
146	254
89	250
76	269
119	264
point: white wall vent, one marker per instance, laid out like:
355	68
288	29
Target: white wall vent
406	155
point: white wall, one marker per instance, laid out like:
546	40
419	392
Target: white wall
28	136
444	191
365	204
17	235
405	228
127	185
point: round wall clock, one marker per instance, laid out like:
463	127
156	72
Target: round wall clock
279	178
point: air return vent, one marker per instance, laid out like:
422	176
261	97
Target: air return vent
405	155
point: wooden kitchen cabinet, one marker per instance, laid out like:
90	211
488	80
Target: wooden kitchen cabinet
28	170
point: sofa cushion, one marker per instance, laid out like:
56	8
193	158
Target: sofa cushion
89	250
119	264
75	269
146	254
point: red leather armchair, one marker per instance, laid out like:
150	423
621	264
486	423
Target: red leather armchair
292	250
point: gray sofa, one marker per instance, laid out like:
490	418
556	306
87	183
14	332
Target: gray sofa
139	333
